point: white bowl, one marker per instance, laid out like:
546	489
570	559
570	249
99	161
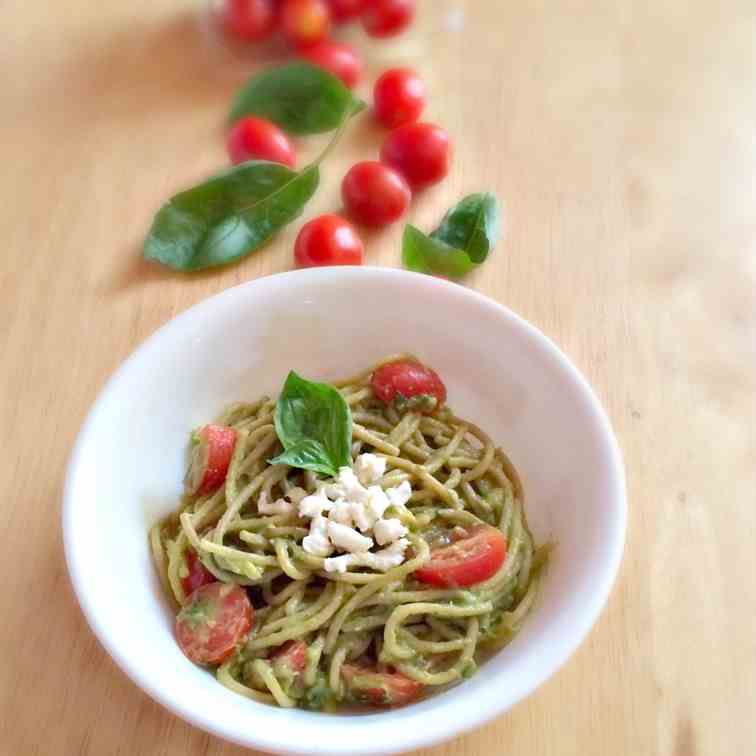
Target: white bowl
127	467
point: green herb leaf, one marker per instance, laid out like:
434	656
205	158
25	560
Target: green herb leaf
299	97
229	215
314	424
424	254
472	226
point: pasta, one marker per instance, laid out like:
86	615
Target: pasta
362	635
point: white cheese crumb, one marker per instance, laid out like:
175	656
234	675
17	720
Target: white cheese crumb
400	495
388	531
339	563
378	502
317	542
314	505
369	467
346	538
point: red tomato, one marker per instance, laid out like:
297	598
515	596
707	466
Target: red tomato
408	379
328	240
421	152
379	688
345	10
339	59
468	561
385	18
304	22
374	194
292	655
398	97
249	19
198	573
211	456
254	138
215	619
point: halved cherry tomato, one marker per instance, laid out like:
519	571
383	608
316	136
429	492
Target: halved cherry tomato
379	688
398	97
385	18
215	619
292	656
249	19
211	456
304	22
345	10
421	152
470	560
337	58
408	379
198	575
253	138
328	240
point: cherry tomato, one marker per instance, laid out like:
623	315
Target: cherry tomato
254	138
468	561
292	656
379	688
374	194
407	379
304	22
198	575
328	240
215	619
249	19
339	59
421	152
385	18
211	456
398	97
345	10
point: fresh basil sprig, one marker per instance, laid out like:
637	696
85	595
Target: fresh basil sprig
314	424
464	239
299	97
228	216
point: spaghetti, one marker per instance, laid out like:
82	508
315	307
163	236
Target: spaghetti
327	639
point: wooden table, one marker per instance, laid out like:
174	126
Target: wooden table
621	138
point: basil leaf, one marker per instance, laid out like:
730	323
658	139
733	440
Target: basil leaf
299	97
424	254
314	424
228	216
473	226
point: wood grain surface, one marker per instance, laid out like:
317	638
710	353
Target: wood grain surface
620	136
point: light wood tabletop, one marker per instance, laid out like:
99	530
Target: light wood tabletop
621	138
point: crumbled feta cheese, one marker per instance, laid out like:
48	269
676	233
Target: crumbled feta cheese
388	531
378	502
339	563
314	505
317	542
400	495
369	467
280	506
343	509
346	538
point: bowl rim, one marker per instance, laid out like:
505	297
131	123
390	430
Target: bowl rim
442	730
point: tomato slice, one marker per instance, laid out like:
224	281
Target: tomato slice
211	457
379	688
408	380
292	656
470	560
216	618
198	575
